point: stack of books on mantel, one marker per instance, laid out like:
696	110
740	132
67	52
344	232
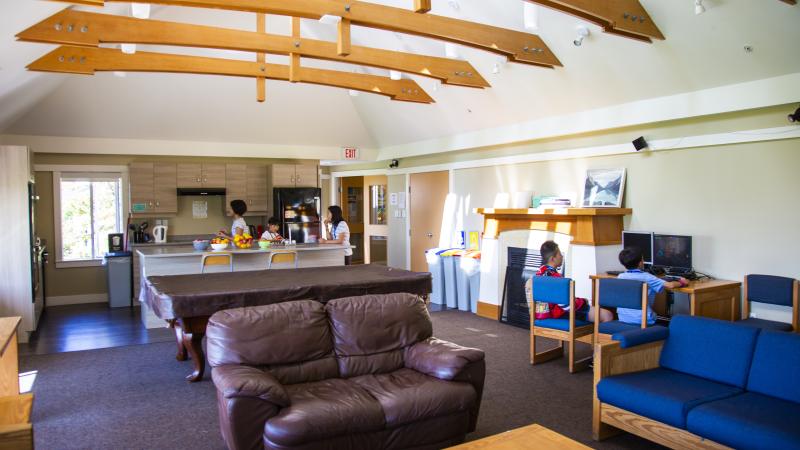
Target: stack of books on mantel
555	202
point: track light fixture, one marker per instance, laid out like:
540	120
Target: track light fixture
698	7
795	117
583	33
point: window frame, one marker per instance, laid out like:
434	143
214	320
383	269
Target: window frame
89	171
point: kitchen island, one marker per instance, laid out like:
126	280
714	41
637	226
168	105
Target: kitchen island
184	260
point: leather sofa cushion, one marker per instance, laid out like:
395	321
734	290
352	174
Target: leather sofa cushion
283	333
407	396
661	394
323	410
368	329
709	348
749	421
776	366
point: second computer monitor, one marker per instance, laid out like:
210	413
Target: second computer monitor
672	251
641	240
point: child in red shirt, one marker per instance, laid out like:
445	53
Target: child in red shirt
552	257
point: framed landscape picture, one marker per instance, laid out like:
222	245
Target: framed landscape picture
603	188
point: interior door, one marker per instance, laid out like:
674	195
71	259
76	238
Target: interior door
427	196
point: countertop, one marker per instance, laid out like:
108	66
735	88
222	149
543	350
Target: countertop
188	250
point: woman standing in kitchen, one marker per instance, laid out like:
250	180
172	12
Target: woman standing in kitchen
239	226
337	232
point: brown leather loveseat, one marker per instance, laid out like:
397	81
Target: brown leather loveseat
355	373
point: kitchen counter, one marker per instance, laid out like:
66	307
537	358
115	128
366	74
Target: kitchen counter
182	249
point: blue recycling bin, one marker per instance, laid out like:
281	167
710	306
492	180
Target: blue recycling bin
469	281
451	260
436	268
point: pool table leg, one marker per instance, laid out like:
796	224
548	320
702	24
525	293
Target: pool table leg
181	354
193	329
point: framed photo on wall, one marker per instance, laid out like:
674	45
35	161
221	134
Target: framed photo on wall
603	188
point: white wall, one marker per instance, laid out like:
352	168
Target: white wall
398	230
739	202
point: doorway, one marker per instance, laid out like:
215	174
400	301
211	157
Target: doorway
427	194
351	199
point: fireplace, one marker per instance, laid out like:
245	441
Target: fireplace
523	263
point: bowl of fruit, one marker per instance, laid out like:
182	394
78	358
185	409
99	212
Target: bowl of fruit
243	240
219	243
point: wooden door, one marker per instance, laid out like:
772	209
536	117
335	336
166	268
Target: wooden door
141	186
352	204
283	175
256	190
306	175
235	184
189	175
427	196
165	193
213	175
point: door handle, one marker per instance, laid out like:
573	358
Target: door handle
158	204
430	235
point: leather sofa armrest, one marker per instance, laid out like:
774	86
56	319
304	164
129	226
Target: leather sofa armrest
235	381
639	336
441	359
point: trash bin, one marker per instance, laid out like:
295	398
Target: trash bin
451	260
471	275
119	274
436	268
465	266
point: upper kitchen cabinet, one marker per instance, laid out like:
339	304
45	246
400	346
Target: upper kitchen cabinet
294	175
248	183
153	188
201	175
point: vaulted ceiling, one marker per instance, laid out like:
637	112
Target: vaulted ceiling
699	52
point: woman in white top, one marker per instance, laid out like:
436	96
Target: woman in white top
239	226
337	232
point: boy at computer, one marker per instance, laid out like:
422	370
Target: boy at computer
552	258
632	259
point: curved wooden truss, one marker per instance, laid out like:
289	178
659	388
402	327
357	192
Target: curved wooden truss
92	29
517	46
86	60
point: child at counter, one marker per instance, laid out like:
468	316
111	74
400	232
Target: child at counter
239	226
271	233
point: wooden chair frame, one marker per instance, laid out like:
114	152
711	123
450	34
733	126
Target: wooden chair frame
272	256
795	304
566	337
599	337
214	259
609	420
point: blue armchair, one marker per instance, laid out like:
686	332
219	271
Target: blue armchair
772	290
618	293
567	330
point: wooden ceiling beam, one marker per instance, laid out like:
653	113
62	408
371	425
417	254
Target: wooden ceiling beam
343	38
516	45
261	83
626	18
105	28
422	6
87	61
790	2
294	57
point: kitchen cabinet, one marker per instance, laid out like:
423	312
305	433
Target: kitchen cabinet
153	188
248	183
294	175
201	175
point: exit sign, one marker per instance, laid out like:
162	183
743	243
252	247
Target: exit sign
350	153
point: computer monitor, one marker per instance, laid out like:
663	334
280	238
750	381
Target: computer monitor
643	240
672	251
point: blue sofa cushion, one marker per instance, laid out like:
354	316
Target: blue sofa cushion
748	421
776	366
639	336
616	326
766	324
661	394
709	348
559	324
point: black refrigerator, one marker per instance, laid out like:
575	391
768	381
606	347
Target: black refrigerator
298	211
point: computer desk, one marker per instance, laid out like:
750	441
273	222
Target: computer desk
718	299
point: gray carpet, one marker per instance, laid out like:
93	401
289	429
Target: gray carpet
135	396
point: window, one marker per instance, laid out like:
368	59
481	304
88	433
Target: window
88	208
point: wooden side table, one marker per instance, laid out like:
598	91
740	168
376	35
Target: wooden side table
16	430
525	438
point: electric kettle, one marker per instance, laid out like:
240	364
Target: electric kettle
160	234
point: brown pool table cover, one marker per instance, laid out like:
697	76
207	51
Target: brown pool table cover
177	296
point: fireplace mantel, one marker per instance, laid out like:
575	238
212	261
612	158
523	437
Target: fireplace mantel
587	226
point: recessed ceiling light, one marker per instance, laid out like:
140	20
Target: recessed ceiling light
128	48
395	75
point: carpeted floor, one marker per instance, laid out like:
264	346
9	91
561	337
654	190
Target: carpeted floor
135	396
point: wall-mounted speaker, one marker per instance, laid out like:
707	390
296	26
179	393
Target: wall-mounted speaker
639	143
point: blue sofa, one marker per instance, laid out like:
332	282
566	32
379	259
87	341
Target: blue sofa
702	383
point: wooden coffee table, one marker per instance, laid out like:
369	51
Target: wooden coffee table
529	437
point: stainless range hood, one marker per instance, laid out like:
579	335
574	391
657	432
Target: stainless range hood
201	191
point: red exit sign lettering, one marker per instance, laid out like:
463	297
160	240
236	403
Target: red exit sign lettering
350	153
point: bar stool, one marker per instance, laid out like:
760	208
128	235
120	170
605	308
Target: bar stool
216	259
282	256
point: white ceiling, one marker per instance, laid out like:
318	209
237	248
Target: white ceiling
700	52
